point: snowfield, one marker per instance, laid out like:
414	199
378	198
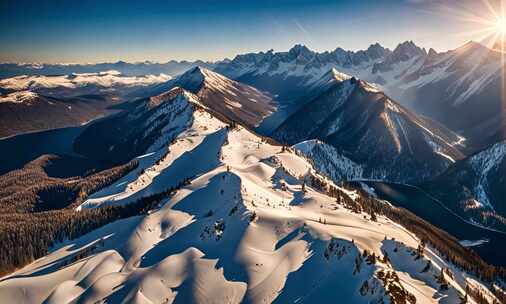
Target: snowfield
246	228
102	79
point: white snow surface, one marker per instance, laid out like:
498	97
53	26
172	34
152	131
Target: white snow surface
475	65
329	161
483	163
104	79
242	231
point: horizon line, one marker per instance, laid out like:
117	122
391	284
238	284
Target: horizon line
226	58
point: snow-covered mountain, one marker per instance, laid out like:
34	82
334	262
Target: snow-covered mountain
72	85
240	220
458	88
378	135
38	102
461	89
330	161
237	101
288	74
476	186
120	137
171	68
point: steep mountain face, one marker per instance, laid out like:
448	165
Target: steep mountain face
364	125
288	74
171	68
330	161
234	219
404	52
459	88
476	186
312	89
120	137
224	96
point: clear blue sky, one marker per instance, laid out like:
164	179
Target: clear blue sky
98	31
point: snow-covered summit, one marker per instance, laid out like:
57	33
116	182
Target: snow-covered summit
368	127
218	93
328	79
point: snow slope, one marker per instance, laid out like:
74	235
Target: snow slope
366	127
330	161
475	187
234	100
81	83
464	82
171	68
246	229
289	74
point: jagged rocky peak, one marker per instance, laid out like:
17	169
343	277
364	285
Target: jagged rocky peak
403	52
376	50
432	53
301	50
408	50
192	79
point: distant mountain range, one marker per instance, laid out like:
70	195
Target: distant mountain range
247	184
377	113
38	102
459	88
25	111
126	68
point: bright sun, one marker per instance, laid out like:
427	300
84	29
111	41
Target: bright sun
500	25
489	22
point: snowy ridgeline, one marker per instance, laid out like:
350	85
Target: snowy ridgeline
467	70
104	79
23	89
329	161
243	227
483	165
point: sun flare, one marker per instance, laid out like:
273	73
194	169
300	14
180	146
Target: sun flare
500	25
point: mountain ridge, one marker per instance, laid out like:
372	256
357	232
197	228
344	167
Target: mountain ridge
368	127
271	229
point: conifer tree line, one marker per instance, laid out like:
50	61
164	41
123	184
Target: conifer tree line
30	189
37	211
26	237
449	247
